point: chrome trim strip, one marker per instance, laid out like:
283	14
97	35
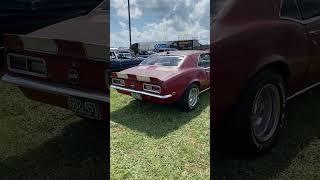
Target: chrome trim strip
303	90
142	92
53	88
204	90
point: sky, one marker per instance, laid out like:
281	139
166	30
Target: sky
159	20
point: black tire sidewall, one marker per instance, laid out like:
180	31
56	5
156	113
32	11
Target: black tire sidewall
184	103
243	112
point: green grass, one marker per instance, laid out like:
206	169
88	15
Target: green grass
297	154
39	141
150	141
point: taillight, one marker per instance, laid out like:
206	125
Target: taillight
36	66
118	82
152	88
27	65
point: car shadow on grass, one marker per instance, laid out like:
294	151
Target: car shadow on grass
302	127
156	120
79	152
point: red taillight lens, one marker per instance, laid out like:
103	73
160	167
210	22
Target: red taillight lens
118	82
152	88
27	65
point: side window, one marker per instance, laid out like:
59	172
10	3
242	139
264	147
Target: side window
290	9
310	8
204	61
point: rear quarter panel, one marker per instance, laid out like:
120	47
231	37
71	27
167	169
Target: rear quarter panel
242	50
180	82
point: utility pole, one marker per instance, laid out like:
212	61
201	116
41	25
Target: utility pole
129	22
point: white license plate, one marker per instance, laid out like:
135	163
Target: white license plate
84	107
136	96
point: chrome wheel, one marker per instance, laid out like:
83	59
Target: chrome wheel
266	112
193	97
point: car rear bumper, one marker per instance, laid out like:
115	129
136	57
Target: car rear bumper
142	92
53	88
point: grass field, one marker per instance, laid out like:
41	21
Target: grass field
150	141
297	154
38	141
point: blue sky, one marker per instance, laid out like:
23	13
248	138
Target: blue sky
159	20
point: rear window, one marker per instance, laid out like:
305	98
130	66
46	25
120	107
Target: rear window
310	8
290	9
158	60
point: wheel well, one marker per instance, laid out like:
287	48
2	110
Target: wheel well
196	82
279	67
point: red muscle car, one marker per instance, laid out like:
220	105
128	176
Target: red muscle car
265	52
167	78
64	64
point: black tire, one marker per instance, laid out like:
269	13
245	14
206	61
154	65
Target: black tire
241	121
184	101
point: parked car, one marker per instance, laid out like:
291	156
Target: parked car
165	49
165	78
123	59
262	58
145	54
63	67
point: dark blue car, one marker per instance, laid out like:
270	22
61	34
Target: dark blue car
122	59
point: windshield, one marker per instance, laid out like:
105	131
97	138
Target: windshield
173	61
124	56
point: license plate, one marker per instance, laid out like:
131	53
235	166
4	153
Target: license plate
136	96
84	107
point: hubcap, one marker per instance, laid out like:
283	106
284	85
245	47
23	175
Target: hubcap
193	97
266	112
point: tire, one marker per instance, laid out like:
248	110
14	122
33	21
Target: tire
184	102
257	118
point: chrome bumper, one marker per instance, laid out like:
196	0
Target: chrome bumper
142	92
53	88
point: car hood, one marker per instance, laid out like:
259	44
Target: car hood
90	29
160	72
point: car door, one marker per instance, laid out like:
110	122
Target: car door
204	64
310	12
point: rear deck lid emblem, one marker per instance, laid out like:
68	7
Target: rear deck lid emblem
73	76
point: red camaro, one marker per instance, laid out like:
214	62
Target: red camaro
64	64
265	52
167	78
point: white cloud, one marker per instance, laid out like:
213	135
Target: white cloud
121	7
123	25
181	19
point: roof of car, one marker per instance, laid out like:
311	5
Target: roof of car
183	52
